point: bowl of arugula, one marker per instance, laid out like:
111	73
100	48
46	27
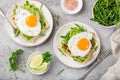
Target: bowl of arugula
107	13
39	62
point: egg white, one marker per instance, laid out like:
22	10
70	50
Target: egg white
72	44
20	18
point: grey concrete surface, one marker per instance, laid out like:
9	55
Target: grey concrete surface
7	45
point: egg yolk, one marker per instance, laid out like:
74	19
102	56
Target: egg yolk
31	20
83	44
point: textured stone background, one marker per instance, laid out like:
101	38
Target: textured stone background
7	46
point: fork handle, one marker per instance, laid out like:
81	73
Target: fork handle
3	15
85	74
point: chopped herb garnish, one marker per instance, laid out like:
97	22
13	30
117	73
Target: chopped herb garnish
62	52
14	10
56	19
47	57
60	72
16	32
13	60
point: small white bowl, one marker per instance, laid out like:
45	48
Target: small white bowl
34	53
80	4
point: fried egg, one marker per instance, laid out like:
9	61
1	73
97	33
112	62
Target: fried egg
27	22
80	44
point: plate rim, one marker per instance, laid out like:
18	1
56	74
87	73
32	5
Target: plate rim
19	42
62	61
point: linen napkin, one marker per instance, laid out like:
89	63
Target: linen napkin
113	72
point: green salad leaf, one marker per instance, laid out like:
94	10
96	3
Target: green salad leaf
47	57
31	8
62	51
56	18
60	72
15	8
28	38
80	59
16	32
94	42
42	18
73	31
107	12
12	60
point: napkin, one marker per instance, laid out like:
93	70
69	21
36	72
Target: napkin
113	72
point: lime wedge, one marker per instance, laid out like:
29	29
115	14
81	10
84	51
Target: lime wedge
36	60
41	68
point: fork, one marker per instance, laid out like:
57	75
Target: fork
3	15
100	57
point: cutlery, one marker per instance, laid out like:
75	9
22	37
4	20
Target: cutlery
100	57
3	15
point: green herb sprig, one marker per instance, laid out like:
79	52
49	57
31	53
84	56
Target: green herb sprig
56	18
15	8
13	60
60	72
47	57
16	32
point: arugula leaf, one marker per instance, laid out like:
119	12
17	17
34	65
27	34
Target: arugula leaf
31	8
14	10
56	19
47	57
12	60
17	32
29	38
93	42
42	33
63	52
80	59
60	72
42	18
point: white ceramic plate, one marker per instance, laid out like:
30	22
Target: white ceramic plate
66	59
38	41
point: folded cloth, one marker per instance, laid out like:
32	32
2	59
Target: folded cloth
113	72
